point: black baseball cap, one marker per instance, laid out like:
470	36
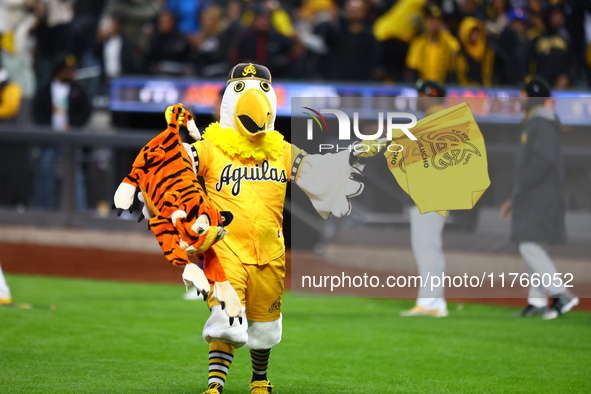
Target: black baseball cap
244	71
63	62
536	86
433	11
431	88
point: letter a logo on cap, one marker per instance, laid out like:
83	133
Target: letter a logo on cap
250	69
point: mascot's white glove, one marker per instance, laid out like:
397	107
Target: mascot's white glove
194	276
328	181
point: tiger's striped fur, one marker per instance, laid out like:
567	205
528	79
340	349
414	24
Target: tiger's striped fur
176	203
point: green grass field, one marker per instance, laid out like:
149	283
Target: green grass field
109	337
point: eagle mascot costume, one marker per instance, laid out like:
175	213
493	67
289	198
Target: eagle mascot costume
246	165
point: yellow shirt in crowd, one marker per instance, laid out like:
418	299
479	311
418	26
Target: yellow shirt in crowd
433	58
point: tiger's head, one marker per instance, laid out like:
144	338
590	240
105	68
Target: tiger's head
201	226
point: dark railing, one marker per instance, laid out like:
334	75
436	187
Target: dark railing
499	154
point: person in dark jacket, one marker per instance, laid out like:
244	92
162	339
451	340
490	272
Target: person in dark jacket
549	54
210	45
353	50
114	51
511	49
262	44
169	48
537	204
77	109
13	155
61	104
575	14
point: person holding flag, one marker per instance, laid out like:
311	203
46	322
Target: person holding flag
443	168
537	204
426	229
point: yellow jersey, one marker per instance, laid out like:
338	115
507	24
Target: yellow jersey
254	192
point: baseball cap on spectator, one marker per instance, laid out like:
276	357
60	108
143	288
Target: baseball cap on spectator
62	63
517	14
431	88
433	11
536	86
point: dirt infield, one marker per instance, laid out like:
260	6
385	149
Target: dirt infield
94	263
87	263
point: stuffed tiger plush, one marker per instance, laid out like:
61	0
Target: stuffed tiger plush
180	213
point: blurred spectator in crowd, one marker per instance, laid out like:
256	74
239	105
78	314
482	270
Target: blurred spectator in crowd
575	13
510	57
353	50
114	51
472	8
169	49
61	103
211	44
85	24
186	13
474	62
537	204
13	156
395	29
87	14
497	17
549	55
261	44
10	95
53	33
431	55
536	25
309	39
233	26
313	25
133	17
279	17
233	14
16	23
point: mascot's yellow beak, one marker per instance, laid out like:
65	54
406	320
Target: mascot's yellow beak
253	113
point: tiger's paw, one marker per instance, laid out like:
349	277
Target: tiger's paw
124	197
224	293
176	116
194	276
184	118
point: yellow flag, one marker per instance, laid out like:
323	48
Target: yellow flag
446	167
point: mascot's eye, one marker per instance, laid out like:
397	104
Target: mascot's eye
239	87
265	86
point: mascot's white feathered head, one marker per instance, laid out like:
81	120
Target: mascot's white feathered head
249	104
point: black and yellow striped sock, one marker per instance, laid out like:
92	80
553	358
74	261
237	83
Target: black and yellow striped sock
260	363
221	355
